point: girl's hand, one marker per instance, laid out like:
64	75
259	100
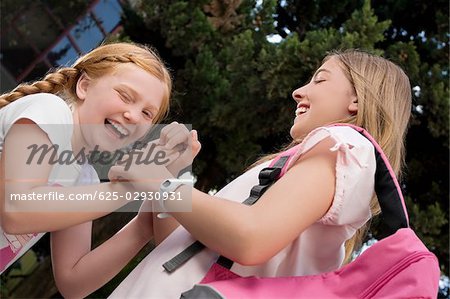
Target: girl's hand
144	169
177	137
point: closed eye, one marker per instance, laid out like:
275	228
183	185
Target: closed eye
148	114
125	97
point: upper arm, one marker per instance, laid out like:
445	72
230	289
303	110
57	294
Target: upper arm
297	200
21	169
29	126
18	174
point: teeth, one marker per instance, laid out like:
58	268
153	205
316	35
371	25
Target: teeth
123	131
301	110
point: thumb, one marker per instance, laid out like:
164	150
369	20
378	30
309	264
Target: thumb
194	135
196	145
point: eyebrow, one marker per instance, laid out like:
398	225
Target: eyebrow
321	70
136	95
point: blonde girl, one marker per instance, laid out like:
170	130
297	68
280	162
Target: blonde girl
309	221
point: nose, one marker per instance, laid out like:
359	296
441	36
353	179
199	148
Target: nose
299	93
132	115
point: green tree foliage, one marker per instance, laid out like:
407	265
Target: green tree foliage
234	85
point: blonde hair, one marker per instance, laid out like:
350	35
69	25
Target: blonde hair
101	61
383	91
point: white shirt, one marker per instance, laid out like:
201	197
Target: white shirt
54	117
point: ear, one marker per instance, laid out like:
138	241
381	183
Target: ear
353	106
82	86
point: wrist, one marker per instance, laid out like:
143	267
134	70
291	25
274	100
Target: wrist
153	182
171	188
184	171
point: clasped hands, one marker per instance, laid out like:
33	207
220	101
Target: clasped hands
159	160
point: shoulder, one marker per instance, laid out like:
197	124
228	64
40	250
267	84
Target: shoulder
346	134
48	112
339	134
350	156
41	108
355	174
40	101
341	140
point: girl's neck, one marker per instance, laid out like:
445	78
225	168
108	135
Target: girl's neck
78	142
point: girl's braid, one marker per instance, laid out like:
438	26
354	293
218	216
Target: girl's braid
64	79
52	83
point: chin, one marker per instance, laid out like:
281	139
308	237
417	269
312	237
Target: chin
298	132
105	146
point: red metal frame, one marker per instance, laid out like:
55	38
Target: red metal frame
42	55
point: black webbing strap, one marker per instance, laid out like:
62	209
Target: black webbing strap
181	258
393	215
267	176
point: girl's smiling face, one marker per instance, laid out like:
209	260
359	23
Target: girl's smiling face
116	109
327	98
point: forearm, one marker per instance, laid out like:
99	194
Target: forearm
33	216
282	213
222	225
162	228
100	265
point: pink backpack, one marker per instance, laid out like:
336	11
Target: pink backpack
398	266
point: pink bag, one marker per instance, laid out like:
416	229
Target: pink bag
398	266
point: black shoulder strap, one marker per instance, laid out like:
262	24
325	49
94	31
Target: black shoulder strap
390	198
267	177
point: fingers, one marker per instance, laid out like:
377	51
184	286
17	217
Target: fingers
189	153
173	135
163	136
149	153
176	136
139	162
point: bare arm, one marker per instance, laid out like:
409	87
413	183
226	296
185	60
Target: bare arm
301	197
79	271
19	177
162	228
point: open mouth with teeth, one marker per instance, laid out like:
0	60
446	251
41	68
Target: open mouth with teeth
116	128
301	110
